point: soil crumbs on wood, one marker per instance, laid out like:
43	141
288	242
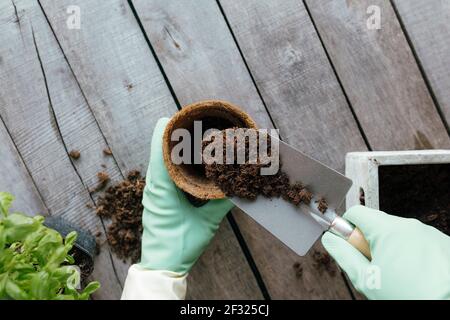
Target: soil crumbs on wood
245	181
74	154
322	262
107	152
103	179
417	191
122	203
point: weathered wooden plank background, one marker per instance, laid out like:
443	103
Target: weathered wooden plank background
312	69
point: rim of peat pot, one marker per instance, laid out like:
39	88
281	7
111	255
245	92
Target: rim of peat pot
216	114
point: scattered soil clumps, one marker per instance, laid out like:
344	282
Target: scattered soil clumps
74	154
245	181
324	263
122	203
107	152
103	179
298	269
417	191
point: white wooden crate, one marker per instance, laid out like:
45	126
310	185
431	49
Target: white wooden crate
362	168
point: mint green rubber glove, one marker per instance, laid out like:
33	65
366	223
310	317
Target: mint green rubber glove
175	232
410	260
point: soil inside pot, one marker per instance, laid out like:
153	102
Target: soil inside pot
245	180
417	191
83	261
207	123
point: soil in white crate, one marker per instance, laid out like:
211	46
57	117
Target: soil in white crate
417	191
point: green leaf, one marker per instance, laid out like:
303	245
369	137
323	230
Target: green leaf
18	226
3	279
14	291
70	239
5	202
73	281
89	289
34	259
41	286
70	259
2	238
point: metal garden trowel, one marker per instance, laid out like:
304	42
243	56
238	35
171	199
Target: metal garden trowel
299	227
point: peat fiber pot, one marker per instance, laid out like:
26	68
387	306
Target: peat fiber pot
214	114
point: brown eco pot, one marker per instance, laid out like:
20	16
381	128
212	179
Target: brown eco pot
214	114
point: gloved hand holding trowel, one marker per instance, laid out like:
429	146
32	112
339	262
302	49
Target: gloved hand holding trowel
409	260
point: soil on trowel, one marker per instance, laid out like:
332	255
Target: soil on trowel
122	203
417	191
245	180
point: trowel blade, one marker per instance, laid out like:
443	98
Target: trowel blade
297	227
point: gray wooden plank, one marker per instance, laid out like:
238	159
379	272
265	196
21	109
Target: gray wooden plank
379	74
27	109
303	96
75	121
127	93
428	28
15	179
198	54
201	60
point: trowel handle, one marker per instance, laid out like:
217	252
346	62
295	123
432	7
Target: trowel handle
358	240
352	234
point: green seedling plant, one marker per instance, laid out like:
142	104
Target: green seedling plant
35	263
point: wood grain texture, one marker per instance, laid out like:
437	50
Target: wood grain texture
76	123
297	83
198	54
196	72
28	110
380	75
117	73
15	179
427	24
294	77
127	94
201	60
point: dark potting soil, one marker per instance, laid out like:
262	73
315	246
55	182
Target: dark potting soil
417	191
122	203
83	261
298	269
322	262
245	181
207	123
103	179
